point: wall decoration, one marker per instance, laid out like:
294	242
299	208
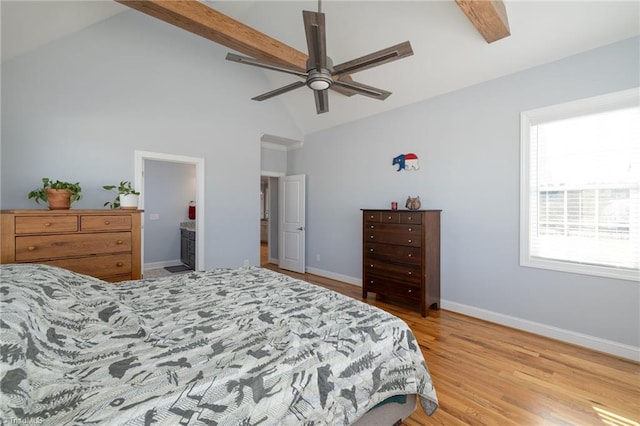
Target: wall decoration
413	203
407	161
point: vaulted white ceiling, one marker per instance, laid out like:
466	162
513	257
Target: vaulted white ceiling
449	53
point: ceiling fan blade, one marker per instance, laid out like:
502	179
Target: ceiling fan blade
322	100
262	64
314	29
285	89
374	59
363	89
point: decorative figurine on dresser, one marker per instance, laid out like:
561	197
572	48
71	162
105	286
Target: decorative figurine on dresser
401	257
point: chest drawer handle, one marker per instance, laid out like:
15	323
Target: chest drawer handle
106	222
119	264
371	236
410	291
389	217
119	242
410	273
410	229
48	224
409	255
371	250
372	227
371	266
409	240
31	248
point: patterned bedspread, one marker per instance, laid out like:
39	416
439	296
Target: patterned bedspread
225	347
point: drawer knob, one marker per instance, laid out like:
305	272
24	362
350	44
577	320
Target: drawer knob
371	266
389	217
371	236
410	291
31	248
410	229
410	273
119	242
106	222
371	250
372	227
48	224
409	255
409	217
409	240
119	264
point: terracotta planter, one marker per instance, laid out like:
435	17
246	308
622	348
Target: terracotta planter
59	199
128	201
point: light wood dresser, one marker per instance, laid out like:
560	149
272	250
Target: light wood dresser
401	256
105	244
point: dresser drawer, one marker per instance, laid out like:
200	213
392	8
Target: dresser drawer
395	289
105	223
395	253
57	246
407	235
400	272
45	224
371	217
98	266
410	217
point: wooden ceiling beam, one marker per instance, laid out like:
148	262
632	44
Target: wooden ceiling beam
199	19
488	16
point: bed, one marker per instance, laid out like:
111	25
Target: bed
241	346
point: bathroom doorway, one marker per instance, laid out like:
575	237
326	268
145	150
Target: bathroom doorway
145	159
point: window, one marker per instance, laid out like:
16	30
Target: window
580	186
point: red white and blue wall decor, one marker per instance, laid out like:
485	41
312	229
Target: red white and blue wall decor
407	161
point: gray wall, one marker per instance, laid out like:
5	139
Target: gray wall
78	108
468	145
168	189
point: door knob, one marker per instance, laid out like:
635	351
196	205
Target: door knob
301	228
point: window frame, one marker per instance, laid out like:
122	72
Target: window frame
597	104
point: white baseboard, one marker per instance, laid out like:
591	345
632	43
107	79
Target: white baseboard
568	336
334	276
158	265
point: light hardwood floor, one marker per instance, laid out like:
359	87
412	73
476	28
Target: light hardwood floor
487	374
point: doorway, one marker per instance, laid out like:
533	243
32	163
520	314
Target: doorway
269	217
141	158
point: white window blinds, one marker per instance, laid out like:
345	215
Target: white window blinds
580	189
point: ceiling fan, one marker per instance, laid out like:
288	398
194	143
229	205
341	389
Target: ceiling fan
320	73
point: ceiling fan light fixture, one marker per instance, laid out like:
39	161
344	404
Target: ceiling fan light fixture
319	79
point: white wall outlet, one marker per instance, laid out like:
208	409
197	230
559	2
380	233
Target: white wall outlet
154	216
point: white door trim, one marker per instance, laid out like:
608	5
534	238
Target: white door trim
140	156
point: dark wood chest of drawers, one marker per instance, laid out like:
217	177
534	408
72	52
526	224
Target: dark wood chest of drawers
401	256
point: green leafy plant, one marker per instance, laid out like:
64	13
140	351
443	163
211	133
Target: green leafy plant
40	194
124	188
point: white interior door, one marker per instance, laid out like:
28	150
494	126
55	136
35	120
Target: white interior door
291	220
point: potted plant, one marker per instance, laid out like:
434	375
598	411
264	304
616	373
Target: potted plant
58	194
127	196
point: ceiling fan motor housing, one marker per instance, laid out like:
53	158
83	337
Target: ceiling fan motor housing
319	78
